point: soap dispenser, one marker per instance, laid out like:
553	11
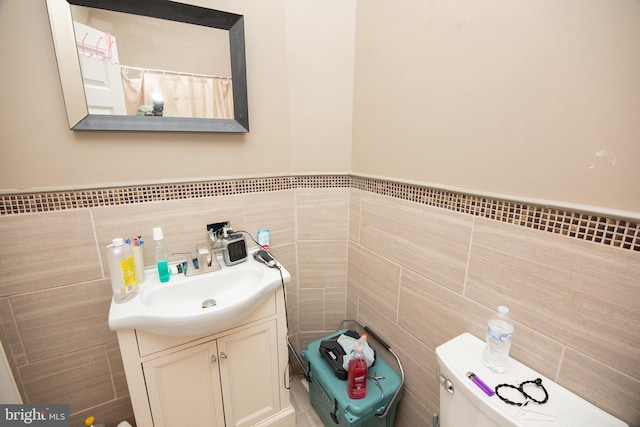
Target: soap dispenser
357	373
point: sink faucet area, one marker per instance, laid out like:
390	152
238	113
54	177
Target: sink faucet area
205	303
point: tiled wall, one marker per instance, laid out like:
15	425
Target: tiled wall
418	265
55	293
423	275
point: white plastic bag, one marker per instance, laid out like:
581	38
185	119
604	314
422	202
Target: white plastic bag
348	344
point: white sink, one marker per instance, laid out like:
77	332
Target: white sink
200	304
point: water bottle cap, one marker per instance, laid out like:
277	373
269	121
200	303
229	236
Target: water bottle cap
118	241
503	310
157	233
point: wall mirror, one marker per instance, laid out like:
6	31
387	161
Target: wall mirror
150	65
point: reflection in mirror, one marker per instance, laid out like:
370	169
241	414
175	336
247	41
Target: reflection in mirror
129	65
150	65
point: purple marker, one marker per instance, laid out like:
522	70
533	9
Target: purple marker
488	391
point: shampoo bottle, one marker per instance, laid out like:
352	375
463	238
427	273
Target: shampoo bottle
357	375
122	270
162	260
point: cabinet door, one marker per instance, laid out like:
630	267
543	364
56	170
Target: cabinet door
184	388
249	374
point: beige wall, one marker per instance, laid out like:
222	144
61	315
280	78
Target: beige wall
530	100
320	37
526	98
151	43
37	150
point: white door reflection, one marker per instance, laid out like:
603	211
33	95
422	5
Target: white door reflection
98	53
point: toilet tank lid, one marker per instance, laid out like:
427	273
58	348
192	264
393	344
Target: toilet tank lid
464	353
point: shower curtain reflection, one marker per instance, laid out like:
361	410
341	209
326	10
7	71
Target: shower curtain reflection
185	95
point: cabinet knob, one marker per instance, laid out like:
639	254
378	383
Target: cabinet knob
214	359
223	355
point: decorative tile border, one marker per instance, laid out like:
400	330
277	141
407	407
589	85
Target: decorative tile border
608	231
54	201
603	230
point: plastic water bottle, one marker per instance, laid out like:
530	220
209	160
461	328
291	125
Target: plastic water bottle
357	375
499	337
162	259
122	271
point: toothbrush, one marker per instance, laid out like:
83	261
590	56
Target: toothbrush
487	390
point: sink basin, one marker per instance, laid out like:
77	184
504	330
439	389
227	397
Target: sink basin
200	304
224	288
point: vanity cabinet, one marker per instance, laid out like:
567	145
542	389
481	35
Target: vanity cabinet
234	378
172	381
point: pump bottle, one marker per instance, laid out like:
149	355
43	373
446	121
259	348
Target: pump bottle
357	375
162	260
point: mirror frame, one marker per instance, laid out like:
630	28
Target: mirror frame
68	61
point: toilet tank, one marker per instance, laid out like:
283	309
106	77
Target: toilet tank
464	404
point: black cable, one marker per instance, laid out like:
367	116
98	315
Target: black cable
248	234
284	295
279	267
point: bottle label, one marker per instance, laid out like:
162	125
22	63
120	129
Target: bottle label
127	266
498	336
